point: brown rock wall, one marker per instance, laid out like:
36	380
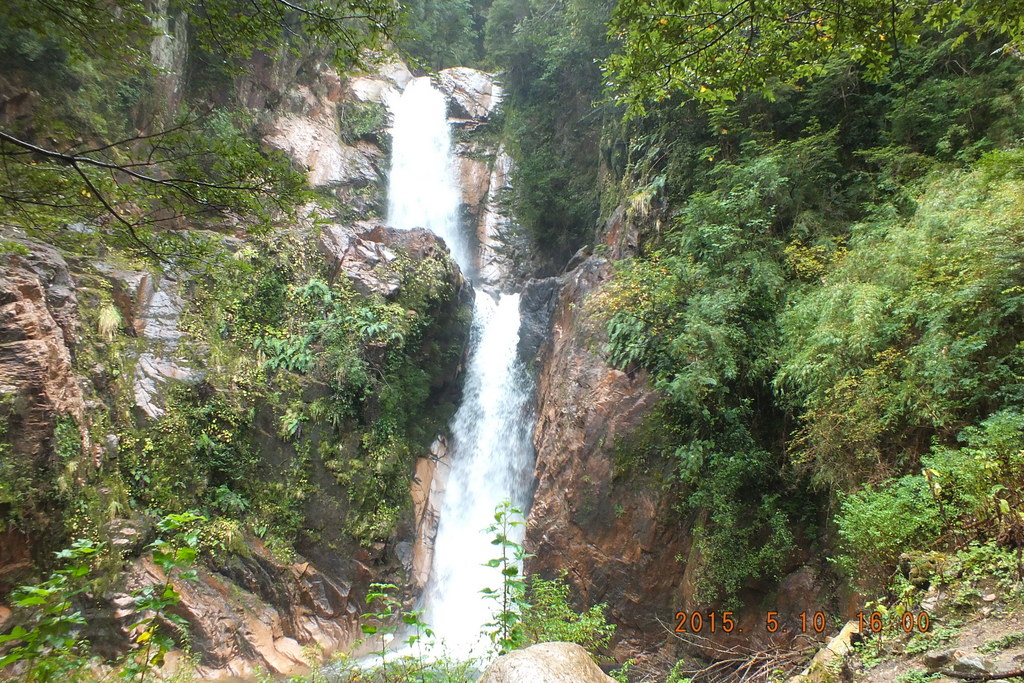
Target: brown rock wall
38	324
253	611
618	531
616	538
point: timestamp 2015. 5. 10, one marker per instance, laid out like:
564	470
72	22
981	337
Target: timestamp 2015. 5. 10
803	622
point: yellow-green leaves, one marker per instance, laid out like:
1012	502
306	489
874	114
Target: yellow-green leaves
713	50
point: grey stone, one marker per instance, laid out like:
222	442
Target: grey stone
937	659
473	94
111	445
358	259
973	664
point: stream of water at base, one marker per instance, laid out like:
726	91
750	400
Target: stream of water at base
490	447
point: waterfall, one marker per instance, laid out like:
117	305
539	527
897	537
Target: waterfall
422	190
491	449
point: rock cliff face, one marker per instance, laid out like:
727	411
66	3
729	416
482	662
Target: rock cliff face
616	530
38	387
483	167
253	608
616	539
249	610
548	662
38	328
252	611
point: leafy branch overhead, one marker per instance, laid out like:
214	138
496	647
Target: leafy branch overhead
203	167
126	163
715	49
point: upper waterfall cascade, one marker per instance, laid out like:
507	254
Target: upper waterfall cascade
491	449
422	190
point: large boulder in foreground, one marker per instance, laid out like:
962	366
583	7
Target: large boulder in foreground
546	663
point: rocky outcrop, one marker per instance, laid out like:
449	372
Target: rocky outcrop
428	486
473	94
307	130
612	538
38	328
361	260
330	127
494	225
151	305
364	251
483	168
38	391
253	611
384	85
547	662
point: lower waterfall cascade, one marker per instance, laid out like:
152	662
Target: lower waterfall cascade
490	448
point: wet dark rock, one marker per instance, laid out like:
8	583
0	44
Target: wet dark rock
578	258
536	305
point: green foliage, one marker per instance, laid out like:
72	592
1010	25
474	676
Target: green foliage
622	673
818	298
353	386
982	483
47	643
965	494
1000	644
174	557
547	53
403	669
443	33
548	617
48	647
382	625
913	334
876	526
197	446
236	29
105	150
293	353
716	50
507	631
390	616
360	120
700	313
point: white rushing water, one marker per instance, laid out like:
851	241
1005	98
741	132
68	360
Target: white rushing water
490	447
492	458
422	190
